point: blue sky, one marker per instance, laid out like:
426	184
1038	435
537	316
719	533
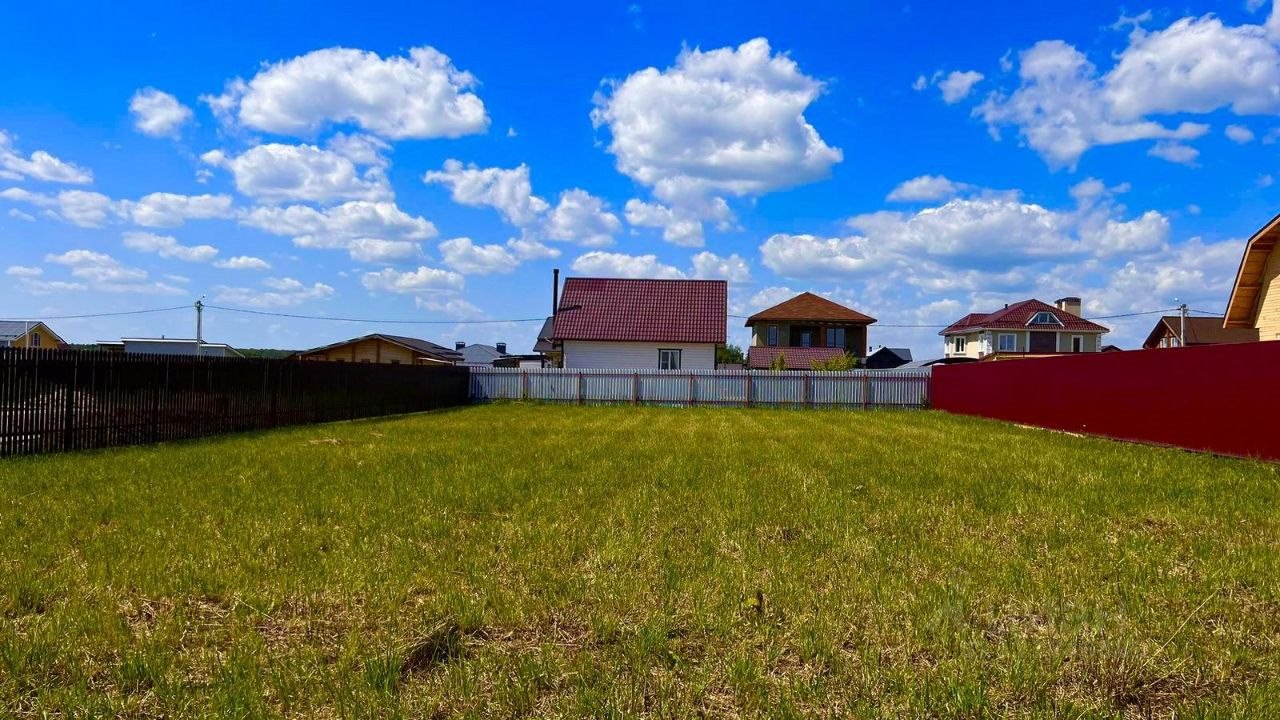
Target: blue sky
916	162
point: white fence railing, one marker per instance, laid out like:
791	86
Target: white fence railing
810	388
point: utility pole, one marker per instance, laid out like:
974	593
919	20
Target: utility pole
200	327
1182	330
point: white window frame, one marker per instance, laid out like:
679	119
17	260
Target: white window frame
771	336
806	338
1074	338
959	342
665	354
34	340
1045	313
1013	342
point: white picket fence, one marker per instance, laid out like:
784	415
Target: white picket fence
748	388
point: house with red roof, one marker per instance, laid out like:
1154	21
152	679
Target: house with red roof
1030	328
641	324
805	329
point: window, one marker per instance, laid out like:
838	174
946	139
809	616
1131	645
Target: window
806	339
835	337
668	359
959	343
35	339
773	336
1077	343
1044	318
1007	342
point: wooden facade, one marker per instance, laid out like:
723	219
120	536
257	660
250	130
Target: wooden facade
383	349
1255	296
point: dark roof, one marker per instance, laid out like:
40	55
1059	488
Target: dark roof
809	307
796	358
544	344
617	309
1200	331
1018	315
425	347
903	354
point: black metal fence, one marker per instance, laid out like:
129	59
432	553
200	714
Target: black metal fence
55	400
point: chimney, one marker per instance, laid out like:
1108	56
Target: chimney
459	345
555	289
501	348
1068	304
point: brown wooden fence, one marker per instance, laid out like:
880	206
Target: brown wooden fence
55	400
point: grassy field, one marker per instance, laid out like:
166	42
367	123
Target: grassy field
523	560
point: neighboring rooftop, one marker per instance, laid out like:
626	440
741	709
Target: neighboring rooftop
903	354
13	329
544	344
1202	331
480	354
808	307
1018	316
618	309
424	347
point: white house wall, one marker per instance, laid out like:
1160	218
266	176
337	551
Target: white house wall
635	355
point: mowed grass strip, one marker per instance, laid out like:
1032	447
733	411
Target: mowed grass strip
525	560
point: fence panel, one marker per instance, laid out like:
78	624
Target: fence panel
54	400
855	389
1220	398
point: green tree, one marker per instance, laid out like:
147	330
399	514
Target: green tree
730	354
779	362
847	361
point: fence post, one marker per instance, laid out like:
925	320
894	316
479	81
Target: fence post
807	397
524	384
746	391
635	388
692	401
866	391
69	418
580	388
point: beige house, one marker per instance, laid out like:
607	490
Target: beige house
1255	297
1030	328
379	348
805	329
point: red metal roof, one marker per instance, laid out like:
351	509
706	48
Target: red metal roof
1017	315
691	311
796	358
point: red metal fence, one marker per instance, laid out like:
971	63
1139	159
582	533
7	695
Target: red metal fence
1218	398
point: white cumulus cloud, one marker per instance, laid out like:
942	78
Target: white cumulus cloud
607	264
509	191
280	173
167	246
39	165
158	113
419	96
582	218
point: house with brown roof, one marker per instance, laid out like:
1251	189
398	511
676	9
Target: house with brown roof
1199	331
1255	296
381	348
1030	328
641	324
805	329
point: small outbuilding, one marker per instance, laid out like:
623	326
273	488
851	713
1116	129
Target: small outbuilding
381	348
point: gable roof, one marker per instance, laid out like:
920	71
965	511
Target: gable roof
811	307
11	330
618	309
1241	306
423	347
903	354
796	358
480	353
544	344
1017	316
1200	331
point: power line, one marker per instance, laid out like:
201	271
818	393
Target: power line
387	321
106	314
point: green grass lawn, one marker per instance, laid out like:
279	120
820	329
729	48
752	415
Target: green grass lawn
525	560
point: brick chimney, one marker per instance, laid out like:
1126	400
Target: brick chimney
1069	304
